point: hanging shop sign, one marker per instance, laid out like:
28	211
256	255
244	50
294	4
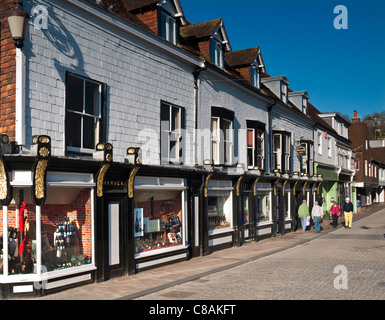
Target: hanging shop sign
301	150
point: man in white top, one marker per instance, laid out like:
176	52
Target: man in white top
316	214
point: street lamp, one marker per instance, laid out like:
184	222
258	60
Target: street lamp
18	22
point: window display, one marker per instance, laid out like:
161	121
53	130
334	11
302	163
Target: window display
66	239
219	209
262	205
158	220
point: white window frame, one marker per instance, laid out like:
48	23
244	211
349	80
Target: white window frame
304	105
319	143
287	139
228	139
83	114
215	139
218	54
277	152
252	147
170	28
220	139
284	96
256	76
174	135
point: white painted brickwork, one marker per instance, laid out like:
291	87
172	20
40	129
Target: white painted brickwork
295	124
138	78
216	92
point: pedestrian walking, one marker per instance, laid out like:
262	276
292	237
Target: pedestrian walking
303	213
348	213
317	215
335	213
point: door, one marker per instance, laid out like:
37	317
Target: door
114	262
244	218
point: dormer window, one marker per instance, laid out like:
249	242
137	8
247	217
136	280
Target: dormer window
216	52
167	27
304	105
284	92
255	76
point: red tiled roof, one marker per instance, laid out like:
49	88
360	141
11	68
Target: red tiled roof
118	7
242	57
132	5
199	30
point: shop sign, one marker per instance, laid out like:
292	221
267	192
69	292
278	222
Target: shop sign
114	185
301	150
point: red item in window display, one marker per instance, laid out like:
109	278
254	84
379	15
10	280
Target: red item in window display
22	219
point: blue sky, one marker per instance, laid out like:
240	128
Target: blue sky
342	70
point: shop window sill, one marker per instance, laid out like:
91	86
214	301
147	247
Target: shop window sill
220	231
160	251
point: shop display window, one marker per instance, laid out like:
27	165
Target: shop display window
219	209
66	236
262	205
158	219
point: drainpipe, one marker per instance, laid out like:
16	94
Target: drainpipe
270	143
20	97
196	74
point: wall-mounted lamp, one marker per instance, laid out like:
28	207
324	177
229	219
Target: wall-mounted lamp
208	164
18	23
133	155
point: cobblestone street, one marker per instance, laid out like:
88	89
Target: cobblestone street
305	271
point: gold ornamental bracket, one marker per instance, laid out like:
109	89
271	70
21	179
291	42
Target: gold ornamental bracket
319	185
255	186
283	187
104	153
41	148
131	180
304	187
275	187
133	157
239	184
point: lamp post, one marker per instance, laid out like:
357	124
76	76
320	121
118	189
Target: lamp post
18	23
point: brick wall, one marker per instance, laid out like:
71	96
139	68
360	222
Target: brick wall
150	19
204	48
245	72
79	212
7	73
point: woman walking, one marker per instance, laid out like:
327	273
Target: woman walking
335	212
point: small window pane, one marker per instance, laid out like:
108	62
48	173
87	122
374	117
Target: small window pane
165	118
250	138
74	93
92	98
73	129
89	129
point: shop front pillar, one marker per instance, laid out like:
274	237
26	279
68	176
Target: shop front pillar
204	217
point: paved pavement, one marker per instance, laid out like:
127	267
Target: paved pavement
302	269
346	264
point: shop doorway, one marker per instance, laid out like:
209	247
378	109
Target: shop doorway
244	218
114	235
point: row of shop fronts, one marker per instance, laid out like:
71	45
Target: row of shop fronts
100	219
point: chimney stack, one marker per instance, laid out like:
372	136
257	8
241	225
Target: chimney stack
355	119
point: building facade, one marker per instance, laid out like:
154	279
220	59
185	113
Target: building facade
132	138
